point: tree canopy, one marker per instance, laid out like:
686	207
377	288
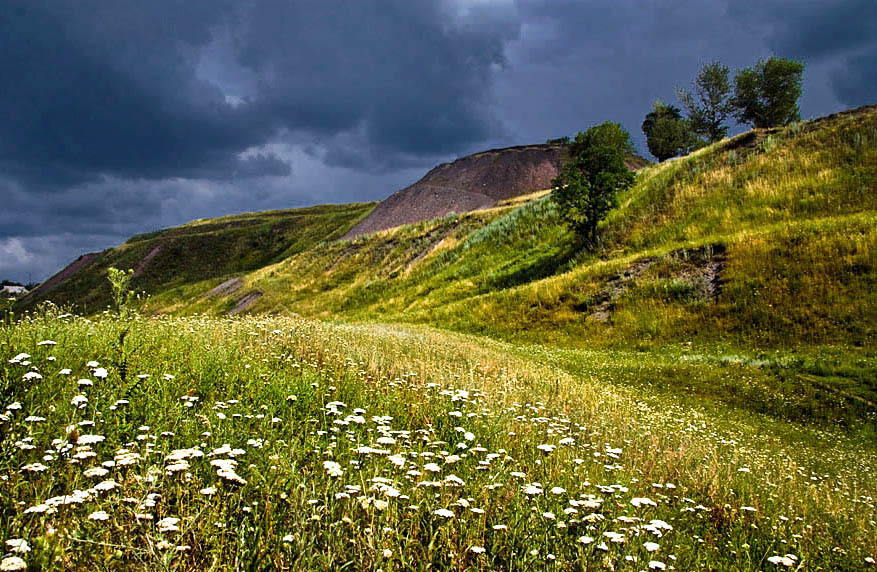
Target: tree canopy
667	133
586	188
766	95
710	104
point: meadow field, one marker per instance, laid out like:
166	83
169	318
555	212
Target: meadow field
178	443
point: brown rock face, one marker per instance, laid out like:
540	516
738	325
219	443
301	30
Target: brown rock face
469	183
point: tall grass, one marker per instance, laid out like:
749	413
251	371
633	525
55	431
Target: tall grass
196	443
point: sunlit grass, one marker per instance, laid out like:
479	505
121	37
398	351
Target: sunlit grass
265	443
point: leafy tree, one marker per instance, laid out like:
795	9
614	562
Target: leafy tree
585	190
710	104
607	134
667	133
766	95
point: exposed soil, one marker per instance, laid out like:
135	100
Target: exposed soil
469	183
615	287
750	140
434	242
245	302
701	269
145	260
69	271
228	287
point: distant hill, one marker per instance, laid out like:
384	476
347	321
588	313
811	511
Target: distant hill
765	239
469	183
183	256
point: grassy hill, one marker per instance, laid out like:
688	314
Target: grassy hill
724	245
176	259
473	392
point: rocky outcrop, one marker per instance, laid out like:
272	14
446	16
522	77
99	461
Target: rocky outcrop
469	183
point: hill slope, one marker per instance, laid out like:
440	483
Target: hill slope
469	183
477	181
766	238
698	393
214	249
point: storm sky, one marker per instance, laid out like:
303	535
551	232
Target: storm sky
118	117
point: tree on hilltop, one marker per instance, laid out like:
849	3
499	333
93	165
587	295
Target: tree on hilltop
710	104
667	133
767	94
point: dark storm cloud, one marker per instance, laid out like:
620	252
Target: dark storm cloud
611	60
119	117
123	88
838	34
122	116
108	88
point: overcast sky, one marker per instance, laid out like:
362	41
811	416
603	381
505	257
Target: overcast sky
118	117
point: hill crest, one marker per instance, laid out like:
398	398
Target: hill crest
469	183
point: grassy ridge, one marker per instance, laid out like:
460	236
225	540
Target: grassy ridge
720	246
699	393
177	261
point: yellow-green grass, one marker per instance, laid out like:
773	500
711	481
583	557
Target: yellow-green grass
808	282
720	339
724	491
789	215
177	261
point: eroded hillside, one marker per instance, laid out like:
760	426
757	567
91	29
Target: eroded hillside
173	259
765	238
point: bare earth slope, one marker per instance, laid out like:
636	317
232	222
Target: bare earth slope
469	183
64	274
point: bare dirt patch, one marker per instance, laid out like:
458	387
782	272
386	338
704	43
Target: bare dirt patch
601	305
469	183
245	302
699	270
68	272
228	287
145	260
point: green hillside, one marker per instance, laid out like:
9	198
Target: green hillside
722	246
475	392
763	240
173	260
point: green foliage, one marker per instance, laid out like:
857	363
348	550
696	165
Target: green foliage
608	134
709	106
120	281
767	94
667	133
565	140
716	355
586	188
799	267
191	255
